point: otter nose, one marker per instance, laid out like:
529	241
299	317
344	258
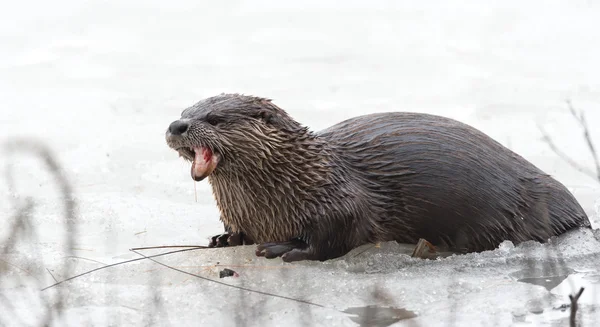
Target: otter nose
178	127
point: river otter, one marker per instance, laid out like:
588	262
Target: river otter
396	176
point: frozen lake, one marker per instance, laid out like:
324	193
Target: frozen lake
99	82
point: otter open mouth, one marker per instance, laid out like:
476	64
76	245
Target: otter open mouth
204	161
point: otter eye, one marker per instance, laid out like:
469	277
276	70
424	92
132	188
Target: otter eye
264	116
212	120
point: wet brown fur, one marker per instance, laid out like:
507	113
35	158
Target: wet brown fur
379	177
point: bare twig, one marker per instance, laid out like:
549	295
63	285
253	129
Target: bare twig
580	117
574	307
15	266
19	226
232	286
170	247
42	152
82	258
564	156
51	275
115	264
586	134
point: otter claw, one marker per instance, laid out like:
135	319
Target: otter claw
219	241
229	239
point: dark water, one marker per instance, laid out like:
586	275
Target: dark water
548	275
376	316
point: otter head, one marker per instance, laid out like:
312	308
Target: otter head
230	131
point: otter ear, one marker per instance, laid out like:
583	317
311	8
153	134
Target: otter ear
275	119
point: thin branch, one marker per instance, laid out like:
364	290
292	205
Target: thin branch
113	265
232	286
170	247
574	307
22	269
580	118
82	258
586	133
564	156
19	226
51	275
45	155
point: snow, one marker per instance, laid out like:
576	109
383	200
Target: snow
99	82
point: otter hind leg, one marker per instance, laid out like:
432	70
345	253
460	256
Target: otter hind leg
294	250
298	250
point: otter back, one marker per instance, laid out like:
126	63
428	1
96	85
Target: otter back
450	183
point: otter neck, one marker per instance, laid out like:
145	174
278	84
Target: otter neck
274	188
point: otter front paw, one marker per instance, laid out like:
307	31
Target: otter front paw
294	250
219	241
229	239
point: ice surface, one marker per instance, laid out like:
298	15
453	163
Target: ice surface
99	82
